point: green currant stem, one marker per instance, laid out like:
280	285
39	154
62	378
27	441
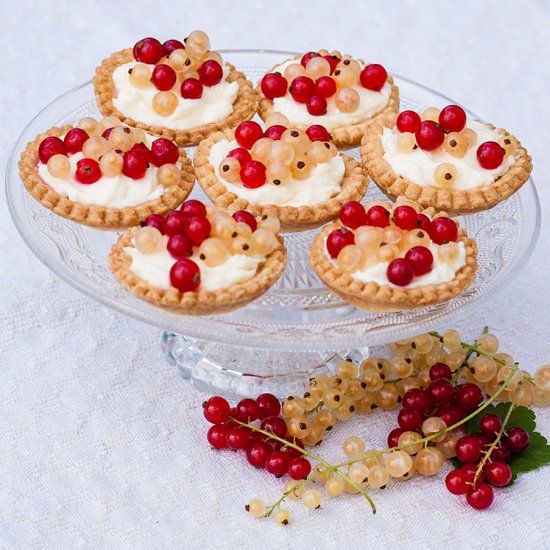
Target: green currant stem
315	409
440	432
319	459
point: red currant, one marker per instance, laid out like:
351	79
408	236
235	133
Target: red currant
175	223
501	452
301	89
518	440
490	155
450	414
490	424
405	217
238	438
258	453
191	88
134	165
241	154
421	258
87	171
452	118
373	77
277	463
246	217
217	436
408	121
157	221
409	419
185	275
468	396
429	135
317	105
306	57
74	140
275	425
163	77
456	482
325	86
164	151
417	399
318	133
440	370
400	272
480	497
197	229
49	147
170	45
378	216
353	215
299	468
148	50
441	391
143	150
268	405
179	246
107	133
393	437
247	410
192	208
253	174
338	239
484	440
216	410
498	473
468	449
424	223
275	132
248	133
443	230
470	471
274	85
210	73
333	61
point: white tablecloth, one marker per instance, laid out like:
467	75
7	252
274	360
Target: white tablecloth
102	445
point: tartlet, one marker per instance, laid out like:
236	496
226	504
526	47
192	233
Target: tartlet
182	92
297	176
385	268
445	160
76	173
344	94
199	261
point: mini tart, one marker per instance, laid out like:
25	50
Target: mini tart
343	137
200	302
383	298
244	106
353	188
455	202
101	217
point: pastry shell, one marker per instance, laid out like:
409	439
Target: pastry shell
383	298
244	107
453	201
345	136
101	217
200	302
293	218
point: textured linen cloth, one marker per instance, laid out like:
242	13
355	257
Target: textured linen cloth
102	444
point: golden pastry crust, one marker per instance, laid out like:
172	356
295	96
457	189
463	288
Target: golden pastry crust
200	302
345	136
101	217
453	201
244	107
354	187
382	298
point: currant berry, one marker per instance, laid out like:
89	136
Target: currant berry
408	121
338	239
134	165
246	217
185	275
490	155
325	86
157	221
400	272
210	73
274	85
318	133
317	105
417	399
217	436
373	77
237	438
170	45
452	118
405	217
441	391
87	171
429	135
301	89
253	174
258	453
164	151
456	482
498	473
517	440
143	150
148	50
179	247
191	88
450	414
216	410
268	405
299	468
49	147
197	229
468	396
443	230
501	452
247	410
421	258
163	77
468	449
490	424
74	140
440	370
409	419
306	57
393	437
275	425
378	216
247	133
480	497
353	215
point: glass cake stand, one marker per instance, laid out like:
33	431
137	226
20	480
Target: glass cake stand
298	327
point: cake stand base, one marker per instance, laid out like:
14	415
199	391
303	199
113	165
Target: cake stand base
240	371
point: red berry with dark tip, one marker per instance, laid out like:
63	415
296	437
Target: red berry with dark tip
501	452
333	61
275	425
164	151
179	246
353	215
148	50
424	223
301	89
443	230
248	133
441	391
197	229
241	154
87	171
490	155
468	449
450	414
163	77
193	208
275	132
421	258
210	73
393	437
480	497
452	118
408	121
440	370
191	88
175	223
317	105
50	146
490	424
237	438
429	135
134	165
216	410
299	468
247	410
143	150
400	272
457	483
405	217
277	463
417	399
338	239
268	405
258	453
373	77
317	132
517	439
409	419
253	174
498	473
306	57
378	216
157	221
217	436
185	275
74	140
246	217
468	396
325	86
170	45
274	85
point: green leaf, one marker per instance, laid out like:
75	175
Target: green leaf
522	417
534	457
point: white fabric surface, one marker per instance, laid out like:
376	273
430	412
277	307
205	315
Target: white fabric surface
102	445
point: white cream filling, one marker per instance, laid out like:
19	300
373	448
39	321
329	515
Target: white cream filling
215	104
155	268
418	166
371	103
323	183
440	273
111	191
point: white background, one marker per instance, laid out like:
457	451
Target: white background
101	443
